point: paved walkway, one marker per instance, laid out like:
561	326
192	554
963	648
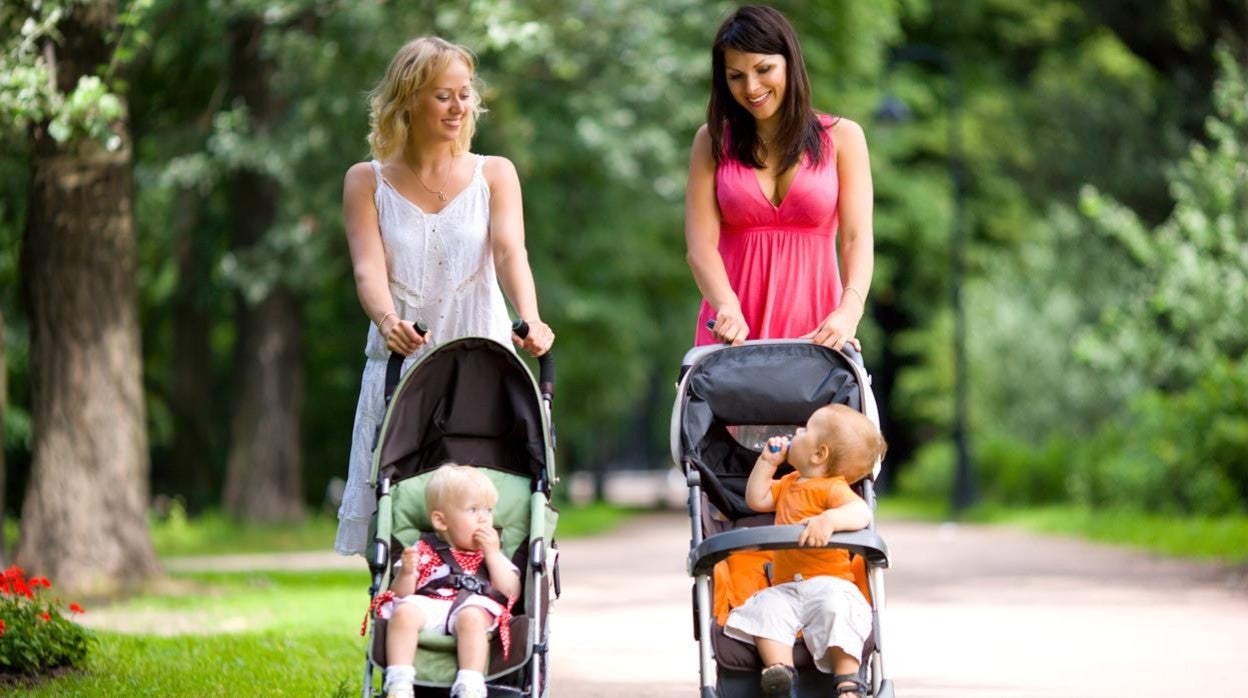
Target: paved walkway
973	611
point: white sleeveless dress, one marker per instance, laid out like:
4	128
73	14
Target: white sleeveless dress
441	271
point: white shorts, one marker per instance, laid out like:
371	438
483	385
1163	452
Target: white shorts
830	612
435	610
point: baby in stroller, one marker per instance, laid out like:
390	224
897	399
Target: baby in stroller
456	581
813	591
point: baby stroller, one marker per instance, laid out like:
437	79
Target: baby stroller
770	388
472	401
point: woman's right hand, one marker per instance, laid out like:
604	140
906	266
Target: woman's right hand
730	326
401	336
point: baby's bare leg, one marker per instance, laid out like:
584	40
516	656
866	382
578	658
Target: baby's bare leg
403	632
773	652
843	663
472	645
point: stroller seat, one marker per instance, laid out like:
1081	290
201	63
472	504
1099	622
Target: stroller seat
471	401
772	385
436	653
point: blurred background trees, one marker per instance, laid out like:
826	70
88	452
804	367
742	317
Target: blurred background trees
1102	147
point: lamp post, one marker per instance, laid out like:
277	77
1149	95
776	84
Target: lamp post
894	110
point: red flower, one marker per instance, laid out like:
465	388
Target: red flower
45	616
40	582
75	608
1	627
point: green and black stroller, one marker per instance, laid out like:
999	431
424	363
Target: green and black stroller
471	401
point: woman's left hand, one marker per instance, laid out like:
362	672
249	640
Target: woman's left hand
540	338
838	328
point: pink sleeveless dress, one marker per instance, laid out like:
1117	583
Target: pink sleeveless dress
781	260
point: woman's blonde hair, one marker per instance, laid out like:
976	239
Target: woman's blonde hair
412	68
452	482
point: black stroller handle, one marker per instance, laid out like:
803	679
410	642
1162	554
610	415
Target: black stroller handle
545	362
394	367
847	349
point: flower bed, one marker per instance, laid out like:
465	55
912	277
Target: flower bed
35	635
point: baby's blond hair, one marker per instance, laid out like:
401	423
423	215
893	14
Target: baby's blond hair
855	442
453	482
420	61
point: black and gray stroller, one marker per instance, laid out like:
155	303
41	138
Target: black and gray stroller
728	401
471	401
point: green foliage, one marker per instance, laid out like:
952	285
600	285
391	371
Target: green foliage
34	635
1179	452
1185	299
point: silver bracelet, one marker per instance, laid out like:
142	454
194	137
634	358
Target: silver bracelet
858	293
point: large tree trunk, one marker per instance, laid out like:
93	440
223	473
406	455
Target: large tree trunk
84	518
264	471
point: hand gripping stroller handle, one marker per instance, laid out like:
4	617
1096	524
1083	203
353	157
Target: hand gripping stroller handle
717	547
847	349
394	367
545	362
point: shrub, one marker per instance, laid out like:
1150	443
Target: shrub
1174	453
34	634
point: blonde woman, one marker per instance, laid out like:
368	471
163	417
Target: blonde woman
433	229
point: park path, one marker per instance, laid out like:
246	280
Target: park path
973	611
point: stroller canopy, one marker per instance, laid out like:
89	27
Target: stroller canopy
766	383
472	401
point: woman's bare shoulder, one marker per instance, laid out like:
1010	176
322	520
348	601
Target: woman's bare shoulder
498	169
847	130
360	176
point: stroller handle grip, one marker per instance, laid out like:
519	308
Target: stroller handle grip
545	362
394	367
847	349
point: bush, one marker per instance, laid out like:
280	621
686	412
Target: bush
1184	452
34	635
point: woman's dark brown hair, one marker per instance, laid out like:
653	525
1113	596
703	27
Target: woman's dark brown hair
756	29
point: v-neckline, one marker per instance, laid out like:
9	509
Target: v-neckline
759	185
449	202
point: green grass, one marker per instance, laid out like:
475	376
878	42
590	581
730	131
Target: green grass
301	638
1223	538
255	633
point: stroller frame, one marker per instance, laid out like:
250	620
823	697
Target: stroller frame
706	551
542	570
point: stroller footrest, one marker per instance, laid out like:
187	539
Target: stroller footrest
717	547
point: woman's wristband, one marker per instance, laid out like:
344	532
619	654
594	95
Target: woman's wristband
381	323
861	298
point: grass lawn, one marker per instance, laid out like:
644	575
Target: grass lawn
1224	538
244	634
249	634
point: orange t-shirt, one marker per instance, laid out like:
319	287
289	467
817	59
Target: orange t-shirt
797	500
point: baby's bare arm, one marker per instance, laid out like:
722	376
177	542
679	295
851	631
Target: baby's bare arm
853	515
404	583
758	494
503	576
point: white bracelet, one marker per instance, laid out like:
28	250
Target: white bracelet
861	299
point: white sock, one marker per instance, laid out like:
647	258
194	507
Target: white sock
399	679
467	678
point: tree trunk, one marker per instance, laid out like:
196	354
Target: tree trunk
264	470
84	518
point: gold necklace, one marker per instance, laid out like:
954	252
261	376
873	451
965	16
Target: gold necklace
440	192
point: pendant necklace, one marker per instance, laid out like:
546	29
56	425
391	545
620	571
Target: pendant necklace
440	192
